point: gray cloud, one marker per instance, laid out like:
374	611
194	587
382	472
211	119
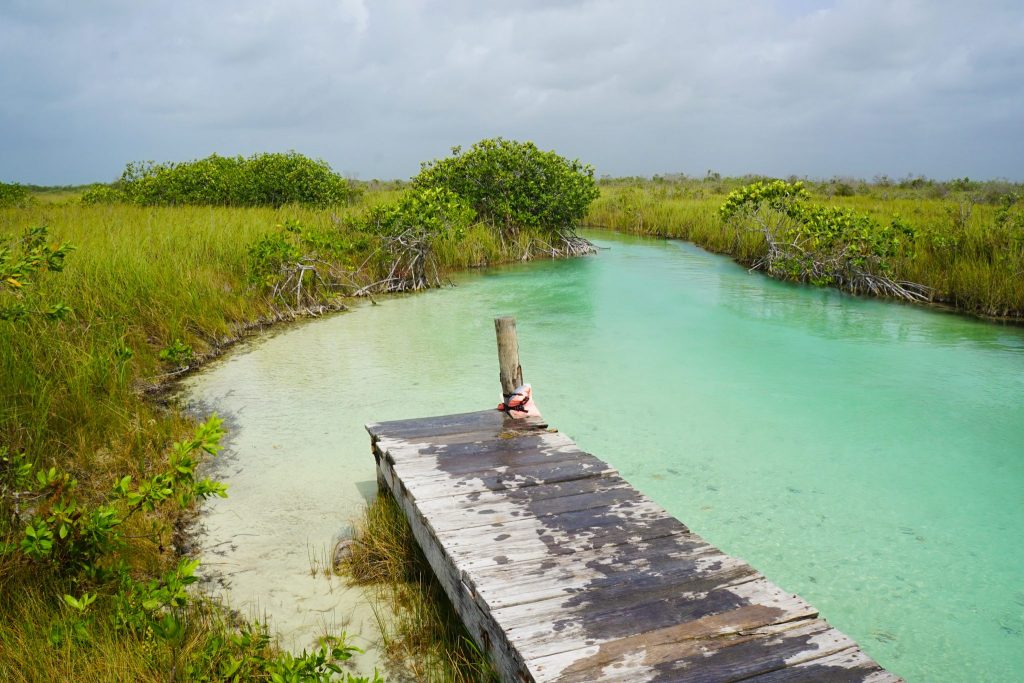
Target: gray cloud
853	87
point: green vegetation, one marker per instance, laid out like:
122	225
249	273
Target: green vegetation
425	636
821	245
961	242
513	185
96	477
89	583
166	270
20	265
79	547
260	180
13	194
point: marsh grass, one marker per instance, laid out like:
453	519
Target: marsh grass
420	630
82	394
38	641
971	261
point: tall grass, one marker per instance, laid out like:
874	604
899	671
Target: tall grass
421	632
140	278
29	651
971	261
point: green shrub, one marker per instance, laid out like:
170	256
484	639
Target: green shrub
20	266
512	184
260	180
103	194
14	194
423	212
821	245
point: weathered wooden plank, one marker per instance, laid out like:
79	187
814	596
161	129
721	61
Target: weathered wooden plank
492	458
451	424
713	658
562	571
570	526
430	454
527	550
470	503
569	578
490	507
509	431
511	478
602	561
540	629
848	666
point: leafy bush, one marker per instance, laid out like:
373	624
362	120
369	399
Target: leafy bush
20	266
426	212
73	538
103	194
411	227
177	353
14	194
821	245
260	180
514	184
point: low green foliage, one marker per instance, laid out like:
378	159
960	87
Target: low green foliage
409	230
260	180
21	264
14	194
512	185
818	244
103	194
83	545
177	353
82	541
776	196
422	213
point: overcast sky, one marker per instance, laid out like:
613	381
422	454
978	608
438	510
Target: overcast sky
852	87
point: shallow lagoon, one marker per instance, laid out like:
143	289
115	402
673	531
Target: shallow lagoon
865	454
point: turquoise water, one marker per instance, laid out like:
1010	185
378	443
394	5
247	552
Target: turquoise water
866	455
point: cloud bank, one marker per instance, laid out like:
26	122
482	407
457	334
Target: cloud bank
852	87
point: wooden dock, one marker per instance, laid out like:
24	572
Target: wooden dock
562	571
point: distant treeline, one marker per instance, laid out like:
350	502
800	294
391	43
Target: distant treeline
981	191
291	178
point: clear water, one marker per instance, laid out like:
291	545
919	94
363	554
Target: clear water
866	455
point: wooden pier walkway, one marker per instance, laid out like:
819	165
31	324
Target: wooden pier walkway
562	571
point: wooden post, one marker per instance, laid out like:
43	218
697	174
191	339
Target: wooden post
510	372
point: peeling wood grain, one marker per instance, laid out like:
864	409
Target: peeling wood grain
563	572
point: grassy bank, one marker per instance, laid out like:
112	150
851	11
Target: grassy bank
423	635
154	291
969	248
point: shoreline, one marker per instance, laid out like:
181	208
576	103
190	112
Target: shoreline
938	305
